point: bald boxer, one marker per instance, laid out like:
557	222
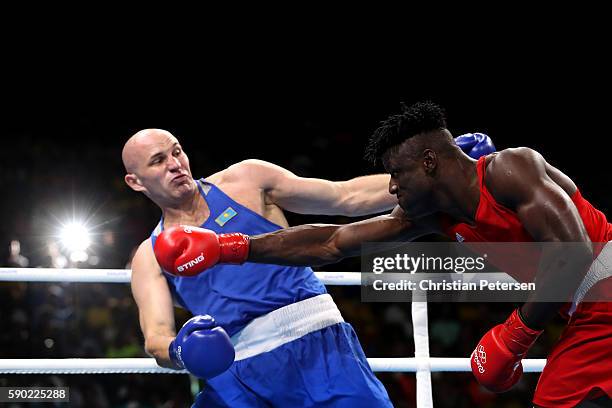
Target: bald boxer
290	344
513	195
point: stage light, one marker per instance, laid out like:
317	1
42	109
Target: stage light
74	236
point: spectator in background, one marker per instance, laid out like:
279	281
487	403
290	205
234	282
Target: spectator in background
15	258
54	258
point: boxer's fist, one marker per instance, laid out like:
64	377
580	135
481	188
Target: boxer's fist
475	145
496	361
187	251
202	348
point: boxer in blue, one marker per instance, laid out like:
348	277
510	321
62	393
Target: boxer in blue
262	335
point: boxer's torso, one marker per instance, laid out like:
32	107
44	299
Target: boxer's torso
495	222
236	294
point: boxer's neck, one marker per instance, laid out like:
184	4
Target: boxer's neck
459	194
192	211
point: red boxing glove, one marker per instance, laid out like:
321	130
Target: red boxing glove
496	361
187	251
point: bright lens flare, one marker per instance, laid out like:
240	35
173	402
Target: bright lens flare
75	237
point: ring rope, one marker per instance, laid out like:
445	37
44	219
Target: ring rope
149	366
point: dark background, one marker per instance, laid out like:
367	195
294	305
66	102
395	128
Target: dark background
63	130
61	146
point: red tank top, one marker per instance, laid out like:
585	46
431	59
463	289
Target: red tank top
496	223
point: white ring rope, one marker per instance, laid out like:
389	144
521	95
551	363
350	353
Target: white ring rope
149	366
124	276
65	275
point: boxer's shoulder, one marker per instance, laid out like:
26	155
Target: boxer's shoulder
144	259
509	164
246	171
145	248
516	159
244	183
512	173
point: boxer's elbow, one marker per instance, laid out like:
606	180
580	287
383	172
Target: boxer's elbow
154	349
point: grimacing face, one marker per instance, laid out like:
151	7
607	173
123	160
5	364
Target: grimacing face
409	181
163	168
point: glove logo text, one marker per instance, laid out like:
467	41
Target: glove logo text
191	263
179	349
480	358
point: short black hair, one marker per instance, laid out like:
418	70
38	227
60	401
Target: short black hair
418	118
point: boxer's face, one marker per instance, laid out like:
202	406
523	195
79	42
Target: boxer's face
163	167
411	180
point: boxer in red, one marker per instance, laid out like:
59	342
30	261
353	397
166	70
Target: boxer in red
513	195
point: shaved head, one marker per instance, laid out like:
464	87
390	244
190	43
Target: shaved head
157	166
138	146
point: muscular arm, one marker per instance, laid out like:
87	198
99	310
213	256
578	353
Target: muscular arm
518	178
358	196
155	307
318	244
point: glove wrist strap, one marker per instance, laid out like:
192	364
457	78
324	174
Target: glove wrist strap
234	248
519	337
175	355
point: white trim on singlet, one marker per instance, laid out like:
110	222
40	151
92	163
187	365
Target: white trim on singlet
204	186
600	269
286	324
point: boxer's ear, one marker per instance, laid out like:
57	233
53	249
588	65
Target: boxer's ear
430	160
134	182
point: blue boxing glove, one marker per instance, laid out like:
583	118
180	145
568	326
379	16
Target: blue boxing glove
475	145
202	347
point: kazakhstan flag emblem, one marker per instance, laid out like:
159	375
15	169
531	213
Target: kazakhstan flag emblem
225	216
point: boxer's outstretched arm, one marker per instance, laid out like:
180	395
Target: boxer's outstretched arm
305	195
319	244
519	180
155	306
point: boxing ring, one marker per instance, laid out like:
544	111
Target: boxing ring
422	363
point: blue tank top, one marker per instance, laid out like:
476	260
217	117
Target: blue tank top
236	294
